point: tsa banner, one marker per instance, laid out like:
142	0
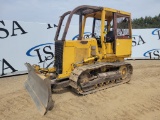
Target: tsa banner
22	42
146	43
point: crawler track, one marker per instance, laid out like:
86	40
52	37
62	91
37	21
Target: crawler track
92	78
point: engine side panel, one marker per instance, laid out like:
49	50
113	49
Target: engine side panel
75	52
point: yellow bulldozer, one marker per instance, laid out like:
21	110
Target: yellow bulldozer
88	64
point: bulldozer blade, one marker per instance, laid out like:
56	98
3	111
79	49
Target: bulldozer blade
39	88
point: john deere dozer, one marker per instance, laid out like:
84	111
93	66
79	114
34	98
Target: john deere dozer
88	64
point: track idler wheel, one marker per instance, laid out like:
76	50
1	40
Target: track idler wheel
124	72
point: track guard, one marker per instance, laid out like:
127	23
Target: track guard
39	88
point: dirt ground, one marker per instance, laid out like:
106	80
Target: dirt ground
138	100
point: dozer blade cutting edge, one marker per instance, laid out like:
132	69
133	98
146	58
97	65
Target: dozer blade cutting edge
39	88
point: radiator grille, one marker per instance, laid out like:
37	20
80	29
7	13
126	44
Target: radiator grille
58	56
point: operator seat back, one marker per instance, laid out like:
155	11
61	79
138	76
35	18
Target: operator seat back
110	36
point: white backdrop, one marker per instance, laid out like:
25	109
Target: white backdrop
22	42
146	43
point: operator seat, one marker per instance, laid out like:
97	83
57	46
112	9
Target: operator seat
110	36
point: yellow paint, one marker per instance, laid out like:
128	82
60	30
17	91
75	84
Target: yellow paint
118	11
51	70
75	52
109	49
102	31
80	52
123	47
